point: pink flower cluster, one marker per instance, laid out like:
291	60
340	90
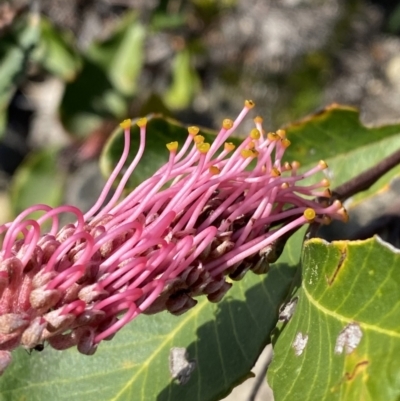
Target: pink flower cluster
211	211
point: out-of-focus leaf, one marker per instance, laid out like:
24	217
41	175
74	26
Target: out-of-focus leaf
185	81
107	80
224	339
15	49
344	338
210	10
5	207
154	105
393	24
89	100
163	20
122	55
37	180
55	52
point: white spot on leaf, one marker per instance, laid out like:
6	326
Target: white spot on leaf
179	365
313	274
299	343
348	339
286	310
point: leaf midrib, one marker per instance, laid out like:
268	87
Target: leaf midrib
345	319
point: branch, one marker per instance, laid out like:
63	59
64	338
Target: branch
364	180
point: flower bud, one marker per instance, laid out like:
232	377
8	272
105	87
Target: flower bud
86	344
56	322
220	293
11	322
44	299
33	334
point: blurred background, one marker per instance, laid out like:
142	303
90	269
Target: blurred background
71	70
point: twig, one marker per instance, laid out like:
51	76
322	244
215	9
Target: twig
364	180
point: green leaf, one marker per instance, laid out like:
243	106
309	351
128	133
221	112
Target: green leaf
161	21
185	81
90	99
348	310
337	135
108	79
349	148
225	339
122	55
37	180
55	52
349	165
15	49
333	131
393	24
159	131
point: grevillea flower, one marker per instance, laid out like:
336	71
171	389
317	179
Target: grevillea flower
211	211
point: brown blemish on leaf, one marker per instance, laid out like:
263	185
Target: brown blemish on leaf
343	255
349	376
320	114
360	366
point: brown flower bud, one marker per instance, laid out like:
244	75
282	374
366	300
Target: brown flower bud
44	299
11	322
33	334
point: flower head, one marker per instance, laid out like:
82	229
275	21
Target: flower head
211	211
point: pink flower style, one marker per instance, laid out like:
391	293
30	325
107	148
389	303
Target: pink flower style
211	211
